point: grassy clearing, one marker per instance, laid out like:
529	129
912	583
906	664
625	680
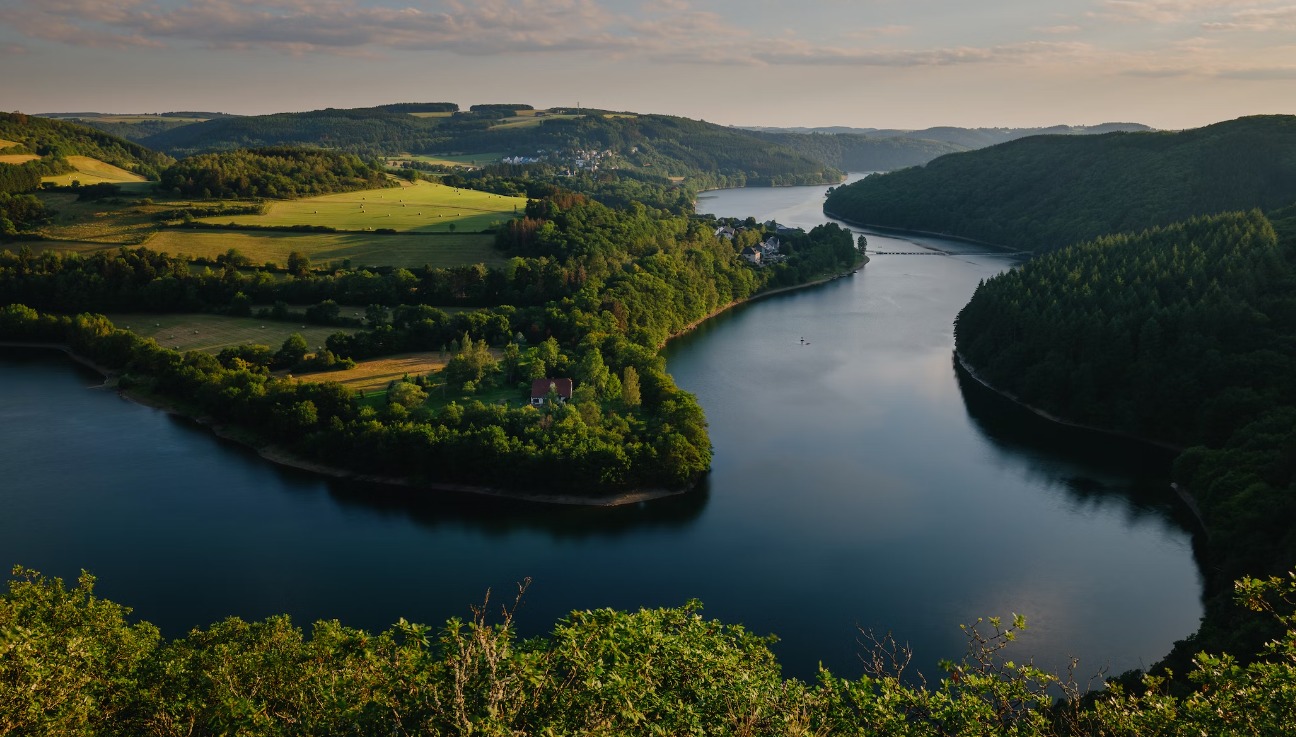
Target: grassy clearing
364	249
94	171
532	121
96	222
373	376
432	115
420	207
211	333
15	158
376	374
8	144
461	160
82	247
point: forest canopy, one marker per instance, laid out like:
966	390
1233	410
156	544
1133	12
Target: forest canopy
1045	192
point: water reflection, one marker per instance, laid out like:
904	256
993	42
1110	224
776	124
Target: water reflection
1096	470
502	517
494	516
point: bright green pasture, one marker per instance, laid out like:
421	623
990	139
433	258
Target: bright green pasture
420	207
364	249
211	333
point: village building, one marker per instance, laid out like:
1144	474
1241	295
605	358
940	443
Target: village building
540	389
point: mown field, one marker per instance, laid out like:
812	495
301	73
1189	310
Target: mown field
15	158
364	249
211	333
461	160
420	207
101	223
7	144
94	171
531	120
377	373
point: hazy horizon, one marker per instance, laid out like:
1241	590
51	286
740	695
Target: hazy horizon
875	63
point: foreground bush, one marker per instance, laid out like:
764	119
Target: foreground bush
71	663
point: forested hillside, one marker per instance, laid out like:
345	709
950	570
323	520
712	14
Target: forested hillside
1045	192
55	139
271	172
1184	334
850	152
664	145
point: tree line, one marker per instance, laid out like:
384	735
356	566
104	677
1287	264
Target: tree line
271	172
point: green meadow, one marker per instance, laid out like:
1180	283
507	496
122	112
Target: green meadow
211	333
363	249
419	207
462	160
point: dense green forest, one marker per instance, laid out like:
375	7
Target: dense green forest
82	665
56	139
1045	192
271	172
662	144
1184	334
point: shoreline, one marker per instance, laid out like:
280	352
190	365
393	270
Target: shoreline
962	362
1183	493
282	457
885	229
761	295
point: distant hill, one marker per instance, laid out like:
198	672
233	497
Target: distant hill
664	145
135	126
55	140
851	152
874	149
1044	192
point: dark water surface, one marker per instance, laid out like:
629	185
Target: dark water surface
858	480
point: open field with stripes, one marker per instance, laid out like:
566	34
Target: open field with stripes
419	207
363	249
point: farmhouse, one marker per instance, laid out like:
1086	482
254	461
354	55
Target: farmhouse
752	254
540	389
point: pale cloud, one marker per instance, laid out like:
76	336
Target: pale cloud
1260	74
1028	52
1059	30
867	34
1169	11
482	27
1257	19
12	49
664	31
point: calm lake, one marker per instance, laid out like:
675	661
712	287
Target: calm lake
858	481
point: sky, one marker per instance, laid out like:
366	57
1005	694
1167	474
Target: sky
862	63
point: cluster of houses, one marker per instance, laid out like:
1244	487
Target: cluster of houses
765	252
575	160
